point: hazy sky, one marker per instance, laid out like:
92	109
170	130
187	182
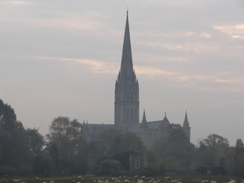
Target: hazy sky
61	58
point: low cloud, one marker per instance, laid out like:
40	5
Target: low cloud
234	31
187	80
95	66
196	47
205	35
85	21
17	2
66	23
152	71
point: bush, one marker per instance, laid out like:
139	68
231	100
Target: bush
149	171
43	165
120	172
6	170
25	171
110	167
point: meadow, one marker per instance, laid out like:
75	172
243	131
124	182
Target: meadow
123	179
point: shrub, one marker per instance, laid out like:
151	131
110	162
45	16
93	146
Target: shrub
43	165
149	171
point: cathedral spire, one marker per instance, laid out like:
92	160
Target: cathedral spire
187	128
144	120
126	62
126	105
186	122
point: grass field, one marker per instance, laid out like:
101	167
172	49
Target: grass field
81	179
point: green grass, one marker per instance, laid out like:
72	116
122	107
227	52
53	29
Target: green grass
116	179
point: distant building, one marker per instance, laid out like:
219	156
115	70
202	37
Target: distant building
127	105
137	162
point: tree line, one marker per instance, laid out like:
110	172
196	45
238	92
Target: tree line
64	151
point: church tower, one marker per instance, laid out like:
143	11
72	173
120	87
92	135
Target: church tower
187	128
126	105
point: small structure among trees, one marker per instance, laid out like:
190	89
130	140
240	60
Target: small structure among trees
137	162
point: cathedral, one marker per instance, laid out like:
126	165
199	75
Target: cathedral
127	105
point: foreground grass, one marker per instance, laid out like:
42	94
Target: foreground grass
123	180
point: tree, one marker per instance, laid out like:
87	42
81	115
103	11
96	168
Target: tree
177	134
15	151
43	165
108	139
35	142
108	166
7	119
204	157
125	145
239	158
239	148
114	145
53	152
13	139
7	116
174	151
213	151
102	148
129	142
69	138
215	141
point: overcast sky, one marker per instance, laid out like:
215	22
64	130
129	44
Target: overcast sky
61	58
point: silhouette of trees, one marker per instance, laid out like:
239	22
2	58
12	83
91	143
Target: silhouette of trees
17	145
108	139
13	139
174	151
108	167
43	165
215	142
69	140
125	145
117	146
7	117
35	142
214	153
238	164
66	151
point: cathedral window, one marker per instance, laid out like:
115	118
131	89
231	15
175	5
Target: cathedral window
137	164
